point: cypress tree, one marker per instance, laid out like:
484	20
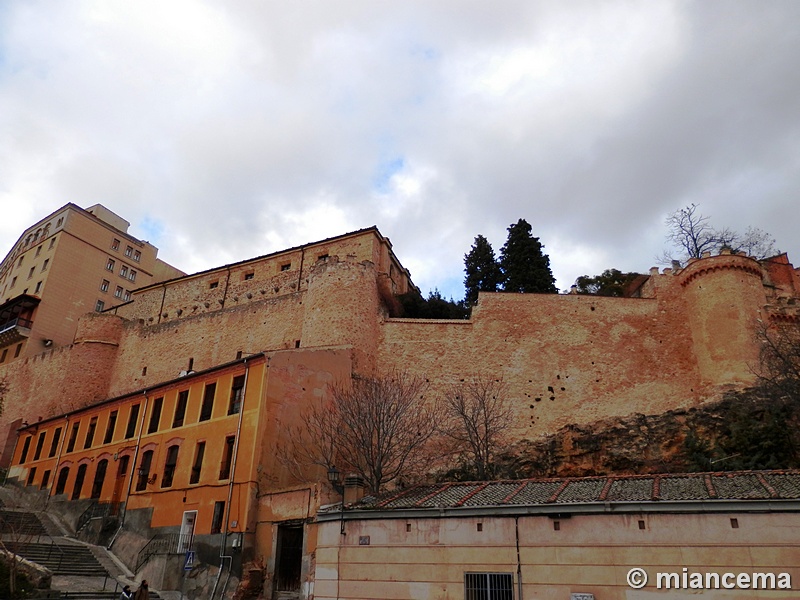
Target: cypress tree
525	267
482	271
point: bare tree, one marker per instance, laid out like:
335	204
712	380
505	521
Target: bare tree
377	427
18	527
692	234
478	419
757	243
779	368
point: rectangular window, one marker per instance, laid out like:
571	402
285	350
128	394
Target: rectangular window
132	275
118	292
3	356
73	437
13	281
45	263
197	467
227	458
126	296
129	251
31	272
25	447
237	391
17	350
19	264
60	222
38	288
99	306
112	422
52	243
137	256
216	519
110	265
45	479
54	443
90	433
38	251
115	244
104	285
488	586
286	267
213	285
180	408
208	401
169	466
39	444
155	416
31	476
249	276
123	271
132	419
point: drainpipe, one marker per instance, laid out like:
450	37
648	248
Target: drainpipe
132	471
58	458
519	564
224	534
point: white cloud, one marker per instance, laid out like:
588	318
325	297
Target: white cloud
242	127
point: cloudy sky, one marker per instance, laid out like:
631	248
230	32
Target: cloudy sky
225	130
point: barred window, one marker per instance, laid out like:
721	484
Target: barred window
488	586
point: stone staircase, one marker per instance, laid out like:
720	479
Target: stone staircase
80	571
63	559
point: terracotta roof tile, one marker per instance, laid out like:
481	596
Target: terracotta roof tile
741	485
688	487
631	490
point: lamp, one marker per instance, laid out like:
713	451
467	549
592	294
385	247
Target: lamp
334	476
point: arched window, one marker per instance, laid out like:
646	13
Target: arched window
144	470
169	466
99	477
76	489
61	482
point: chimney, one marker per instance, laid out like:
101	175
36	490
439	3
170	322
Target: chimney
353	488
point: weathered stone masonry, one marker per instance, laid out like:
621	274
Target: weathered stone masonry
566	358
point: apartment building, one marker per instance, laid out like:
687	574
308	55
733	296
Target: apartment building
71	262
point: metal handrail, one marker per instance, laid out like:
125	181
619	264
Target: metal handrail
161	543
19	321
94	510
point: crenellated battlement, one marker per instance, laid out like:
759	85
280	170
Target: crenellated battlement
725	261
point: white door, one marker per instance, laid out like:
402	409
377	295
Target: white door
187	531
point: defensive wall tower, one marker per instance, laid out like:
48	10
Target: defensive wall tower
342	307
61	378
724	300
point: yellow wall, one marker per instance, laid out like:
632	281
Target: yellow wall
589	554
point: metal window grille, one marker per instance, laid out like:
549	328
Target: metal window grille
488	586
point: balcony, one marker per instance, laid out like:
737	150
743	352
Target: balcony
15	319
15	330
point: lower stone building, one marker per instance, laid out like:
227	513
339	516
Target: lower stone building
712	535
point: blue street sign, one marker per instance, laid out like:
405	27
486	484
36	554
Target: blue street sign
189	562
